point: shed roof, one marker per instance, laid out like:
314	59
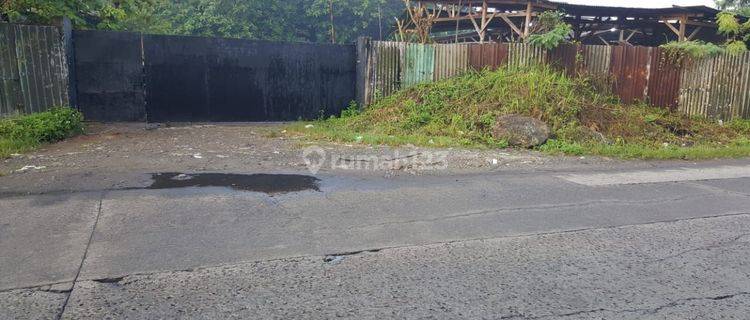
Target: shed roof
596	10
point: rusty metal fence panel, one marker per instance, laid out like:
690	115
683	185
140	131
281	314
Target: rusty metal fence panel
664	81
716	87
565	58
33	69
630	69
451	60
488	55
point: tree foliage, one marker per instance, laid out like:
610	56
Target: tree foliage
737	33
302	20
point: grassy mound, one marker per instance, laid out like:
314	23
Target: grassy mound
23	133
584	119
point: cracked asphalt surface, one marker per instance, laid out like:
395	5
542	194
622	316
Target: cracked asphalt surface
499	244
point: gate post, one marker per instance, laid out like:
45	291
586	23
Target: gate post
363	61
66	28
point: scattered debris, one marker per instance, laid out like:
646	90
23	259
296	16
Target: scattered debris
339	257
309	126
27	168
182	177
333	259
198	156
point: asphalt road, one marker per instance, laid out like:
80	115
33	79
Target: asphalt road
663	243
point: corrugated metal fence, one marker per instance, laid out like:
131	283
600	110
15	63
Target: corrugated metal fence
717	87
33	69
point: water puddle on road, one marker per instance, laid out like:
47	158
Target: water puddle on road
266	183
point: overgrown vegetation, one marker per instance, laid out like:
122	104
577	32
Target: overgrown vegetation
729	25
23	133
461	112
676	52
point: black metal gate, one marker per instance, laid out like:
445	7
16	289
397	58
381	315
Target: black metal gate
109	75
190	79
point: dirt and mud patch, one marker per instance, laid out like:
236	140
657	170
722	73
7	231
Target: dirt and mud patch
123	155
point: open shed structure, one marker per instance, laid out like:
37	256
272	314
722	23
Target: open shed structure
511	21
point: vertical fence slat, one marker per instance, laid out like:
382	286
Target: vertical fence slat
33	69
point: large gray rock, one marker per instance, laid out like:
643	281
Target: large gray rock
521	131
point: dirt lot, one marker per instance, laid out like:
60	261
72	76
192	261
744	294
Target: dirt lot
122	155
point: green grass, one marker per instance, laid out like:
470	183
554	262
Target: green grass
581	113
24	133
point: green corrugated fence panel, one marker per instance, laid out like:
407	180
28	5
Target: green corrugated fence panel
418	64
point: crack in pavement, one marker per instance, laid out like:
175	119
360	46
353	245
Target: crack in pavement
647	311
83	259
345	254
485	212
708	247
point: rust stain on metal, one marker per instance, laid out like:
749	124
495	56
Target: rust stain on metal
664	81
488	55
630	71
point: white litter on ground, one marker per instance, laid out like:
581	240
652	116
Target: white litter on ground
27	168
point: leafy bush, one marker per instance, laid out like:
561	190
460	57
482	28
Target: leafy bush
350	111
554	30
25	132
736	47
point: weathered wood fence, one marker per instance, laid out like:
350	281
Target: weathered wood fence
716	87
33	68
